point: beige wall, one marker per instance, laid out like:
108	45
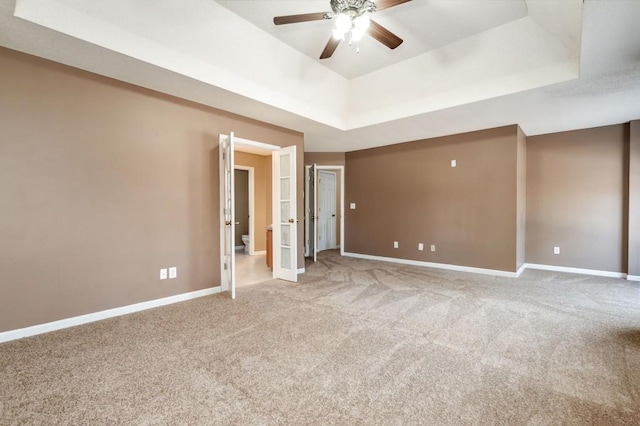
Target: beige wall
409	193
634	199
522	198
241	194
576	197
324	158
104	183
262	194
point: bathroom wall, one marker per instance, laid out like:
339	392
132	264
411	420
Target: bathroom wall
241	193
262	169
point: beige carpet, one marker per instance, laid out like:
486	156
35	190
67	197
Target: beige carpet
355	342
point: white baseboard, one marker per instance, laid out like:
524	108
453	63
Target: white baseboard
446	266
576	270
257	253
521	270
97	316
301	270
633	277
239	247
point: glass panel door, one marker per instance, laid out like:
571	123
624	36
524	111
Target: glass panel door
285	222
227	216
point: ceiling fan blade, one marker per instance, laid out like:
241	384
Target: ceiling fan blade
305	17
383	35
331	46
385	4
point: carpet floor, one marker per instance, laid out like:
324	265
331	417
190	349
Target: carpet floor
354	342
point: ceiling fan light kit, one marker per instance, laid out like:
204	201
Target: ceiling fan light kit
352	18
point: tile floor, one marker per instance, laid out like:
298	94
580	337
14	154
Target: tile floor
251	269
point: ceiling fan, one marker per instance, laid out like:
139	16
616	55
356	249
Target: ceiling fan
352	20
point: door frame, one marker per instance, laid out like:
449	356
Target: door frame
251	203
335	190
259	147
306	205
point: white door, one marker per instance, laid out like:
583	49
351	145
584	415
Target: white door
326	210
227	216
311	223
285	222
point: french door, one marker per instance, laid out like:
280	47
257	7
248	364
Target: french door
285	222
227	216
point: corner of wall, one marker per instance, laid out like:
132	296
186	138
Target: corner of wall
521	196
633	191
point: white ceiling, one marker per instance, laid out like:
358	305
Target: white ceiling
423	25
548	65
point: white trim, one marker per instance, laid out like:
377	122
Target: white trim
301	270
109	313
575	270
342	207
521	270
239	247
633	277
256	144
256	253
436	265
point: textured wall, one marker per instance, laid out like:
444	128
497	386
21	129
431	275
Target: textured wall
102	184
410	193
576	198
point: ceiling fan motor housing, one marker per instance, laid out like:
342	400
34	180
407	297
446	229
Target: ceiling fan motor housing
352	8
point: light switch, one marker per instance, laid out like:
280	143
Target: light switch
453	163
173	272
420	246
163	274
352	206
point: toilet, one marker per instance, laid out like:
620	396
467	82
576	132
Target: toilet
245	241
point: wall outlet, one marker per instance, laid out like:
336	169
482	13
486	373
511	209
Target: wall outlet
420	246
173	272
395	244
454	163
556	250
433	247
163	274
352	206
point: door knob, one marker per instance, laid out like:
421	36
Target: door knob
228	222
290	220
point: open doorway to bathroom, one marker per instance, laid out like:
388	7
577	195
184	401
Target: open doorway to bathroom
253	211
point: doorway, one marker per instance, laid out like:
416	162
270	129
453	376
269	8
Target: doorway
280	166
251	213
327	204
324	209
